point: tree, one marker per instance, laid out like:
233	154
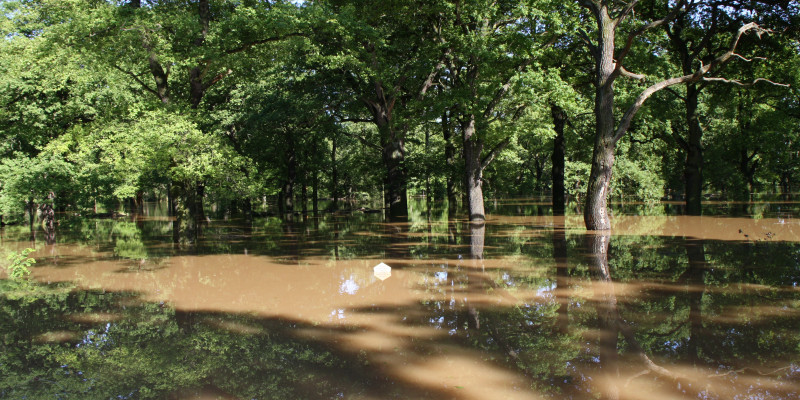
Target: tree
386	58
492	53
609	65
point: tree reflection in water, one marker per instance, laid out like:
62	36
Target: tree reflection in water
531	305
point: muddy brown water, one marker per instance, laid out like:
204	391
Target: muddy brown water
525	307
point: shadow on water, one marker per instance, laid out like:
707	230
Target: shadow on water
523	306
69	343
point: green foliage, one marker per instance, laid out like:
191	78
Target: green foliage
19	263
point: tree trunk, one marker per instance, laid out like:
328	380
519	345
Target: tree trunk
198	211
693	171
175	205
185	202
304	194
287	190
477	233
473	172
170	201
559	200
396	179
31	214
49	220
334	179
315	193
139	202
450	157
595	213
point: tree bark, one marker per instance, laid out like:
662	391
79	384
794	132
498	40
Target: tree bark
473	171
596	209
396	180
693	171
287	189
393	151
315	194
477	234
334	178
557	159
304	194
450	158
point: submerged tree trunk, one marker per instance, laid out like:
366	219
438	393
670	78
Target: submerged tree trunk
138	203
559	193
187	206
477	234
48	217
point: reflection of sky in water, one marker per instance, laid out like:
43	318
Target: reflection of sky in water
338	314
546	290
349	286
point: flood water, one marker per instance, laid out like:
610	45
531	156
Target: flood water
525	307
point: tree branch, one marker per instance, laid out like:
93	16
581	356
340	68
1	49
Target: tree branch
588	42
627	10
694	77
633	35
136	78
743	84
247	46
498	96
624	72
495	151
362	140
429	81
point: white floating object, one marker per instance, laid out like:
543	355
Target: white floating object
382	271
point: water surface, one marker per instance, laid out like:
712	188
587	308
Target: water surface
525	307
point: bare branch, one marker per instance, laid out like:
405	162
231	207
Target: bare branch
743	84
694	77
624	72
369	120
741	57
